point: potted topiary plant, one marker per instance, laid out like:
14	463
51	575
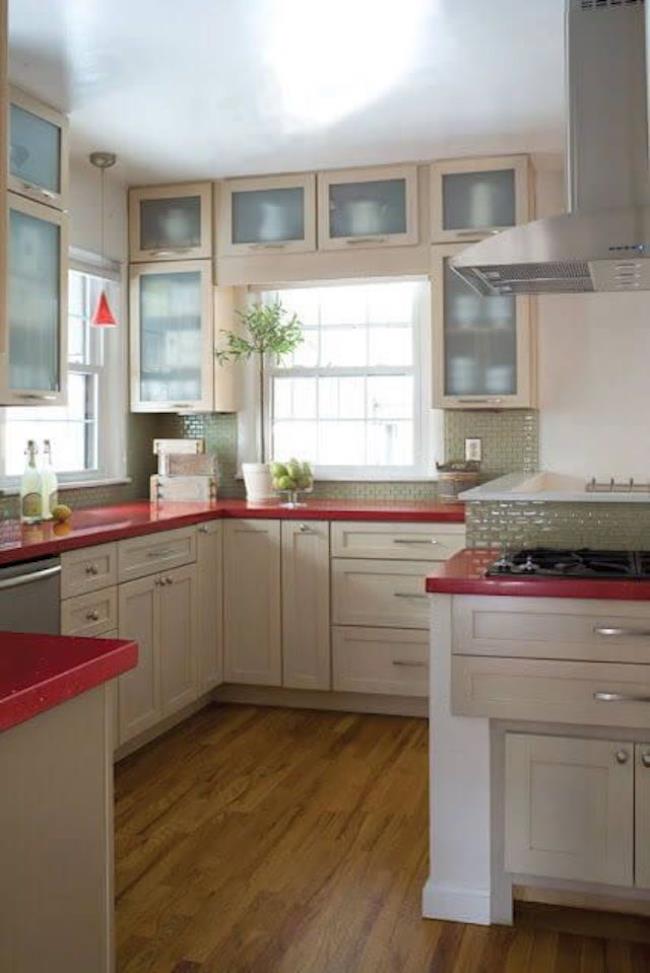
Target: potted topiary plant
268	332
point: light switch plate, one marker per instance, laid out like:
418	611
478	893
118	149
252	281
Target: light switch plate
473	450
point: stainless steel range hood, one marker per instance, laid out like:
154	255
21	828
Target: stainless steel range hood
603	244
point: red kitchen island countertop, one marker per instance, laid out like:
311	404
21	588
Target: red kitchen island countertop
464	574
38	672
99	525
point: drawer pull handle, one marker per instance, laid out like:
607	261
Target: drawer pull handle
92	569
403	540
92	616
406	663
610	633
620	698
406	594
167	553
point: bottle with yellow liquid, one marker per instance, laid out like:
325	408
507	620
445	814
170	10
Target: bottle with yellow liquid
31	491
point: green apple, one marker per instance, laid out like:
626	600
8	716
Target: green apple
278	470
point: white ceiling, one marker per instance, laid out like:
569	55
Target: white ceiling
207	88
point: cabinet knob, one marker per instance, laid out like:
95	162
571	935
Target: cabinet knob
92	569
304	529
645	759
622	756
169	580
203	529
93	616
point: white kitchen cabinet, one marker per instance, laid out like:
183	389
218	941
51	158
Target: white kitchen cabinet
33	365
483	347
270	214
376	207
171	337
171	222
38	150
305	605
139	689
177	609
569	808
252	613
209	564
471	198
642	815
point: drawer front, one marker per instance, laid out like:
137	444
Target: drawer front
552	628
380	593
141	556
90	615
374	660
88	570
401	542
591	693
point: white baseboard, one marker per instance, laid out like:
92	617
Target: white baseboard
322	700
456	904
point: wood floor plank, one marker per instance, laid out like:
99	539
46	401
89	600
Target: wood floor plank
267	840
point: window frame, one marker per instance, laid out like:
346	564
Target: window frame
110	390
427	424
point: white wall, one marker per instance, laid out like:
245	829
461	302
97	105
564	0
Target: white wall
594	374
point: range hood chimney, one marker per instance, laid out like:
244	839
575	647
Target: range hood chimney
603	244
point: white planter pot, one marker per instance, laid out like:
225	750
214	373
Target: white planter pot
259	484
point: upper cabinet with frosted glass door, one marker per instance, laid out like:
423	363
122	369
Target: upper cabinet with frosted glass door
33	364
472	198
267	215
375	207
171	222
38	151
171	336
483	347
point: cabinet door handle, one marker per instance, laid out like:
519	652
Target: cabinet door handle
402	540
477	401
35	396
169	580
181	405
305	529
620	698
407	663
266	246
645	759
203	529
171	251
613	632
38	190
365	239
406	594
622	756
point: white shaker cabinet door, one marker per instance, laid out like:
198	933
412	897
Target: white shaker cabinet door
139	689
252	616
177	605
306	658
569	808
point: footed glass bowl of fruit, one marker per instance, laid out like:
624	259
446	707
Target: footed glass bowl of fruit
292	479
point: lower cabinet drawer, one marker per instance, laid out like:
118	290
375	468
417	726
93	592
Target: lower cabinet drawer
378	593
88	570
90	615
376	660
591	693
141	556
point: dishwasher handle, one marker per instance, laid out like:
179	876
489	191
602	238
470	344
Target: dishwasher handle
22	579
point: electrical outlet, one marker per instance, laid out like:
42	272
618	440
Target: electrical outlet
473	450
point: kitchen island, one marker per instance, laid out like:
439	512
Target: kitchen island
539	741
56	811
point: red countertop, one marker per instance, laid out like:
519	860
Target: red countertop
464	574
103	524
38	672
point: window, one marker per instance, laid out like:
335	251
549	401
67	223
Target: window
87	433
351	398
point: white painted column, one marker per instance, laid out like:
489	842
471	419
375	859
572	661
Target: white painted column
459	886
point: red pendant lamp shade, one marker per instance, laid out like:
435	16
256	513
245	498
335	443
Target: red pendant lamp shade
103	316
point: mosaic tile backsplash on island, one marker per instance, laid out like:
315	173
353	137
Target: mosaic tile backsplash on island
516	524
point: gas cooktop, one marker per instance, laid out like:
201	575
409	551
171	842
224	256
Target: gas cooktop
582	563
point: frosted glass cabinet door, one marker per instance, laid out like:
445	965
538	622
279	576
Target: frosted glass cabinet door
171	337
471	198
482	345
38	154
270	214
171	222
367	207
34	371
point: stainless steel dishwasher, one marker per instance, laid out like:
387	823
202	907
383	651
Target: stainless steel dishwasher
30	597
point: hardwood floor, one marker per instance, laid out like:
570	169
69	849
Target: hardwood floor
255	840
